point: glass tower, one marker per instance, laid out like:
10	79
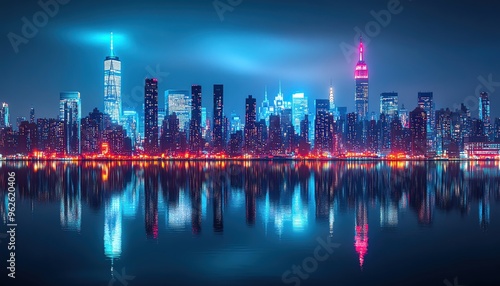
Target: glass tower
70	112
112	85
389	103
299	110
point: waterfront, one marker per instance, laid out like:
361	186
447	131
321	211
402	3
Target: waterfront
247	223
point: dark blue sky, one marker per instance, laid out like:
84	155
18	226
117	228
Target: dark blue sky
431	45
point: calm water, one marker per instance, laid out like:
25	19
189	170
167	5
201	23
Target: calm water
258	223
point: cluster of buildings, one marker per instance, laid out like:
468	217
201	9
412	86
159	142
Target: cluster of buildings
273	128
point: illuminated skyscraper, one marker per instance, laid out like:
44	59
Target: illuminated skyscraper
484	112
279	102
32	115
113	85
130	121
151	116
331	98
218	138
425	100
4	116
323	123
418	129
275	139
203	117
299	110
179	102
195	127
250	124
404	116
265	109
361	76
235	123
389	104
70	112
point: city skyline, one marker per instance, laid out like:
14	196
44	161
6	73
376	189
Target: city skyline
114	106
298	73
176	129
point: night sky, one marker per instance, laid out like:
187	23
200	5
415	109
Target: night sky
431	45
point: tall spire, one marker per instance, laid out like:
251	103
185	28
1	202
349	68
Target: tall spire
279	87
112	53
361	50
265	94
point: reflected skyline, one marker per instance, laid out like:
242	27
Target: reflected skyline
280	198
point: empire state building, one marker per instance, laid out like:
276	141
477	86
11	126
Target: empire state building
361	76
112	85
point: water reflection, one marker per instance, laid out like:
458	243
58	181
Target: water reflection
287	197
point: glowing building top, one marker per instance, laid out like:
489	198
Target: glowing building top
361	76
361	68
331	97
112	84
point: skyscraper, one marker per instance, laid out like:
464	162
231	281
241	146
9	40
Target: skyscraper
361	77
331	98
112	85
322	128
279	101
250	124
235	122
195	127
484	113
151	116
265	109
275	139
418	129
425	100
131	124
70	112
4	116
299	110
179	102
389	103
218	141
32	115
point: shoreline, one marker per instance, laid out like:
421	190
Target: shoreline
245	160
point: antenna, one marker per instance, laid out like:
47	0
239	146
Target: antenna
111	45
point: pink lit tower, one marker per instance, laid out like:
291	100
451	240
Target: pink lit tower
361	76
